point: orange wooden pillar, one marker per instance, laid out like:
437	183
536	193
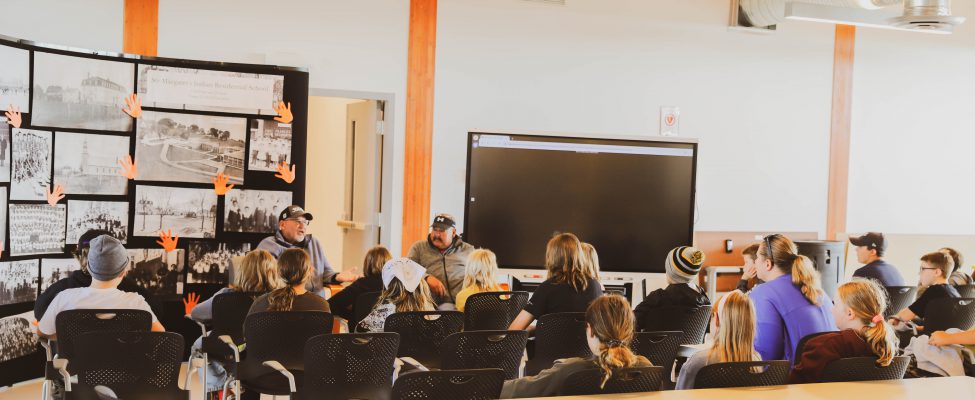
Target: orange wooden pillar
140	31
419	120
839	135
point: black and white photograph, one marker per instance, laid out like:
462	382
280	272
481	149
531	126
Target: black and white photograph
16	337
14	79
89	164
189	213
158	271
18	281
3	214
208	262
55	269
111	216
270	145
4	152
253	210
30	164
81	93
190	148
36	229
208	90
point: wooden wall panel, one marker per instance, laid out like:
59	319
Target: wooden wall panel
839	134
140	29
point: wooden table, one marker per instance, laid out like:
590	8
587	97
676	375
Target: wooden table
959	387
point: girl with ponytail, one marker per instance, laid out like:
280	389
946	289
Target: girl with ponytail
858	312
294	269
609	331
733	325
790	304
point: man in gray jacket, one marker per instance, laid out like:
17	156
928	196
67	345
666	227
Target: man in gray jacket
444	255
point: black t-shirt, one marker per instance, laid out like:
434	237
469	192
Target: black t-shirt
933	292
343	302
561	297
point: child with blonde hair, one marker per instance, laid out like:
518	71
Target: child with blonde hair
733	321
482	267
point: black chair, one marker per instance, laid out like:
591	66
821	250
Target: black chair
802	345
492	311
485	349
363	305
275	349
947	313
658	347
140	365
898	298
856	369
558	335
226	337
742	374
625	380
693	321
461	384
966	291
350	366
422	332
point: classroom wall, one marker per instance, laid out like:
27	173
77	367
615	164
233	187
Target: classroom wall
95	25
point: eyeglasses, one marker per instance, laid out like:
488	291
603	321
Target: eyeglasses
768	245
933	269
301	221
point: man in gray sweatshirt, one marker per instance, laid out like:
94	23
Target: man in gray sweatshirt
444	255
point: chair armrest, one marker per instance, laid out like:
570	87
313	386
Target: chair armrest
191	368
233	346
46	344
416	364
61	364
284	371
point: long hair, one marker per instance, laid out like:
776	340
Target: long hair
785	256
563	261
396	294
294	266
612	322
482	267
867	301
591	259
376	257
257	273
735	337
940	260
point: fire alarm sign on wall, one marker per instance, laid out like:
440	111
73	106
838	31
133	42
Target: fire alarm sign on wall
669	121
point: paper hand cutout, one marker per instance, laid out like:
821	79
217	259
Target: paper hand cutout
134	108
54	196
284	112
13	116
190	302
167	240
220	184
129	168
286	174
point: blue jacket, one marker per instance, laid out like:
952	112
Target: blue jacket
882	272
784	316
323	270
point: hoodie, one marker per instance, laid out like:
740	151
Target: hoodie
448	266
323	270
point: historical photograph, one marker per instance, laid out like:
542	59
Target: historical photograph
55	269
208	90
189	213
81	93
16	337
4	152
89	164
111	216
18	281
190	148
209	262
3	214
14	79
253	210
36	229
30	164
270	145
158	271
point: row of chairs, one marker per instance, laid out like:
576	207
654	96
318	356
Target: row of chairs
940	314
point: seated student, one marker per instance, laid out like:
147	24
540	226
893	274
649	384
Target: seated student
591	259
935	268
404	290
570	286
294	268
81	278
748	271
482	266
942	338
107	264
791	303
343	302
870	248
682	265
958	276
858	310
734	341
609	330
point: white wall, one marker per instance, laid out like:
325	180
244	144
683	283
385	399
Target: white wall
93	25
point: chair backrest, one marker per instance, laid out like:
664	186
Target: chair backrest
350	366
493	310
624	380
864	369
558	335
898	298
658	347
485	349
71	323
459	384
741	374
966	290
947	313
364	303
281	335
422	332
802	345
693	321
229	311
131	364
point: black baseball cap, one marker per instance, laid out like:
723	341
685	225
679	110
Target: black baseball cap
873	240
293	211
443	222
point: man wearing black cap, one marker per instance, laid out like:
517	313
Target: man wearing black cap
292	224
444	255
870	248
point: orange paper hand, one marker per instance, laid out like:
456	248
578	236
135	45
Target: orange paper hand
54	196
13	116
220	184
284	112
129	168
134	108
190	301
286	174
167	240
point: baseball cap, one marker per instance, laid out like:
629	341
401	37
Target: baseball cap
873	240
293	211
443	222
107	258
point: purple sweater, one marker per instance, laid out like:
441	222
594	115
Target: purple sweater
785	316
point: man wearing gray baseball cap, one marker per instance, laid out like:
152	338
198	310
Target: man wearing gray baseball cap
107	263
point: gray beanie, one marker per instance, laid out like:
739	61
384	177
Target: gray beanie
683	263
107	258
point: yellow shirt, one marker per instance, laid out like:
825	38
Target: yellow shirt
464	294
